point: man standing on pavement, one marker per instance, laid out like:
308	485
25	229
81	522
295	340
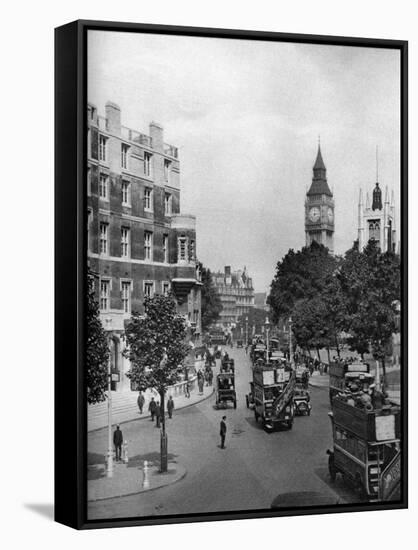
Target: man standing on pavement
157	414
170	406
140	401
117	441
152	407
223	432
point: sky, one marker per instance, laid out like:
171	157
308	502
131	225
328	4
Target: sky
246	117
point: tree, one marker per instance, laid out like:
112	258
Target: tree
156	347
256	318
309	324
370	283
299	275
211	305
97	350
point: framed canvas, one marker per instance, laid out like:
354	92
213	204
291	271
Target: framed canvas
231	282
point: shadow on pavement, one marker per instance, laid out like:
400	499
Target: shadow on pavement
345	492
95	458
152	458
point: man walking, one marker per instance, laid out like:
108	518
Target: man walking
152	408
140	401
157	414
170	406
117	441
223	432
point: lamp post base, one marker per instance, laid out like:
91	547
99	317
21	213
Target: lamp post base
109	464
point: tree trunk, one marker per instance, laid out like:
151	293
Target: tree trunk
337	347
384	370
309	353
319	355
163	436
329	356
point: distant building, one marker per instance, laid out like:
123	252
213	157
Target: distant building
260	301
319	208
236	293
376	220
138	241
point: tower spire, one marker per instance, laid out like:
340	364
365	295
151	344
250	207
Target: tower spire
377	164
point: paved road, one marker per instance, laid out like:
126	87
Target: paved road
255	467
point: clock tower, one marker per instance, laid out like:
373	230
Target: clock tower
319	208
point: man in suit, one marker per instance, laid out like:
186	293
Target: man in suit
223	432
152	407
117	441
157	415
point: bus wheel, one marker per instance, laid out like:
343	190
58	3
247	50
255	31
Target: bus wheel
235	404
331	468
290	424
256	416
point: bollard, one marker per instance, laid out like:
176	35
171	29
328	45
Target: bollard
125	452
145	482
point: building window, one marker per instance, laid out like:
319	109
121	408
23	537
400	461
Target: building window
165	248
104	294
148	199
167	169
92	113
166	288
148	289
103	238
126	296
148	245
148	164
89	221
192	250
167	204
124	242
103	186
374	231
182	253
88	182
102	148
126	193
124	156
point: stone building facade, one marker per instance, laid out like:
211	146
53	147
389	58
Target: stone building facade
236	292
319	208
139	243
376	220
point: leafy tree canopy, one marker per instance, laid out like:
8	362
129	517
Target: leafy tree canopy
299	275
97	350
211	305
156	344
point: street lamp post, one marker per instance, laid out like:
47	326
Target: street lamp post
246	332
267	326
290	342
109	466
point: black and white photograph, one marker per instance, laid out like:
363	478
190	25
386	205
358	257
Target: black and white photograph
244	265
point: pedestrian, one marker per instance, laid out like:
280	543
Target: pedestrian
170	407
223	432
152	407
187	389
210	377
140	401
157	414
117	442
200	384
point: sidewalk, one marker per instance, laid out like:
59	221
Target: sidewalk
143	444
125	408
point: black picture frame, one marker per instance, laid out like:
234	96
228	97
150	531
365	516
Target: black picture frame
70	268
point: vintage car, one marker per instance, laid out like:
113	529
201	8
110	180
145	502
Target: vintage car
225	389
240	344
227	364
301	400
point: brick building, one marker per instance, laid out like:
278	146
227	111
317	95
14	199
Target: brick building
139	243
236	292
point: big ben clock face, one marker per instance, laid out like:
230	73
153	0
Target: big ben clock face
330	215
314	214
